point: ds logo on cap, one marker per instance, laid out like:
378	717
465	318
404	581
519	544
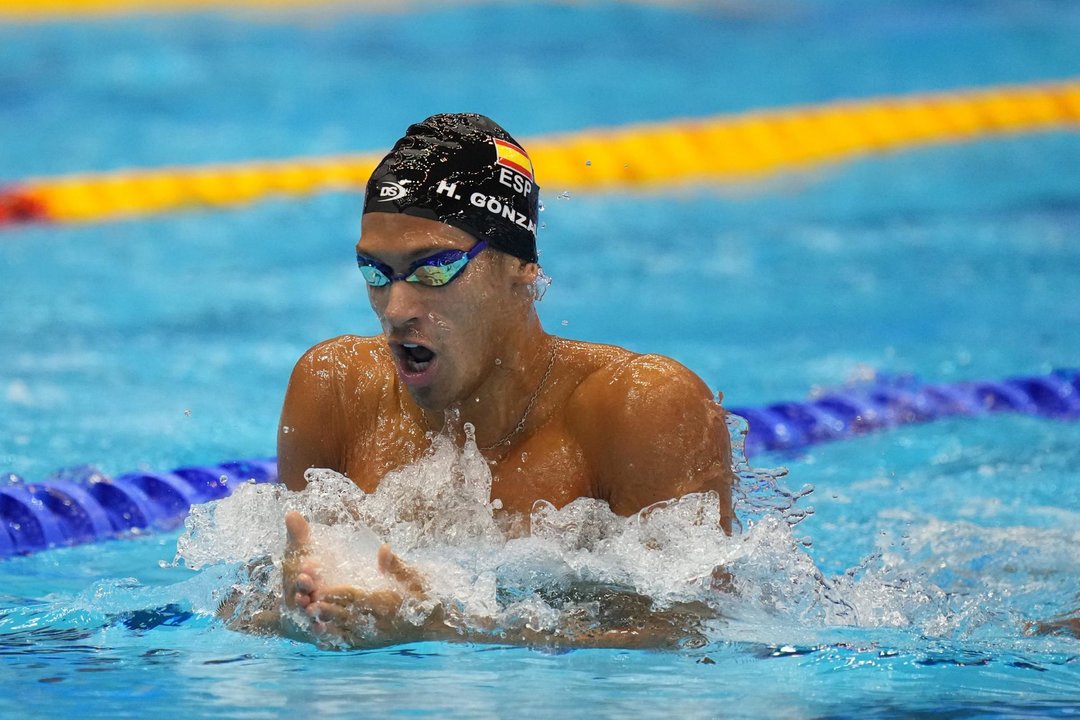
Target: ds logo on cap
389	190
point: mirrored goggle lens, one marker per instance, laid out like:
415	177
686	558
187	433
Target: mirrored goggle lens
438	273
373	275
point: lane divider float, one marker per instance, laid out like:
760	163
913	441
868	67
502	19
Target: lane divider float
83	505
26	10
651	157
891	401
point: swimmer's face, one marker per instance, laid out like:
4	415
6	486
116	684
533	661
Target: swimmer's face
444	340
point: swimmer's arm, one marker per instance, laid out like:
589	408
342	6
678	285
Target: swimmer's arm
651	430
347	616
641	627
1065	624
309	430
675	627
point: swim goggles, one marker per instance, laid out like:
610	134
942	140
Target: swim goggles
433	270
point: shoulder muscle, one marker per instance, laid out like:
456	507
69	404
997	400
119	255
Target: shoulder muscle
311	431
651	430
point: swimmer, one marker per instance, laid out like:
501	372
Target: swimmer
448	254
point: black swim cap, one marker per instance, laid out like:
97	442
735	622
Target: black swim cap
464	170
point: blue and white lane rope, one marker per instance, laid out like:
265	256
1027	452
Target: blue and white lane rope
889	401
83	505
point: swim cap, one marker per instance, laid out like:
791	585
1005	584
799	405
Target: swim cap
464	170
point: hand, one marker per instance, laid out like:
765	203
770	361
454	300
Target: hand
344	615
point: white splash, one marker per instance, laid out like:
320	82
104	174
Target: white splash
574	562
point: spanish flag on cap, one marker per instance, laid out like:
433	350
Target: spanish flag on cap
513	157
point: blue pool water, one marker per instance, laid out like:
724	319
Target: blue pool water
168	341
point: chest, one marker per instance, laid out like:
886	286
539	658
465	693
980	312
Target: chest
546	465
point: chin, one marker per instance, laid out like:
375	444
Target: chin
429	398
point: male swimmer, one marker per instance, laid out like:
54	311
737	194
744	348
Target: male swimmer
448	252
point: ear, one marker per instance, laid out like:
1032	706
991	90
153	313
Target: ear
522	276
525	273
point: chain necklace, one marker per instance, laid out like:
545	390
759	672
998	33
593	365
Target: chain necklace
528	408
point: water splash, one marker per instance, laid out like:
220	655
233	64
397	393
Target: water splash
758	493
560	570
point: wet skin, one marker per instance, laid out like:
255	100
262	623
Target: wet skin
610	424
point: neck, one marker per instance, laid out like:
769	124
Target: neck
499	402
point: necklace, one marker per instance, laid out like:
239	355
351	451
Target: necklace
528	408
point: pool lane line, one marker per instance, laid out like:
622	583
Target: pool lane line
886	401
53	10
651	157
83	505
139	193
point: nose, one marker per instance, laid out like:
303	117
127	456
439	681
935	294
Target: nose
398	304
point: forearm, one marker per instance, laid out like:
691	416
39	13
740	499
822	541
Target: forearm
623	620
658	629
1065	624
643	628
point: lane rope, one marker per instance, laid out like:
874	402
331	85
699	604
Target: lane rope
83	505
47	10
649	157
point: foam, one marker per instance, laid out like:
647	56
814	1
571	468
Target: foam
582	567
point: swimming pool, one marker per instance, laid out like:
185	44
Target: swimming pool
168	341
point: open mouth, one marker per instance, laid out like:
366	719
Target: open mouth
413	360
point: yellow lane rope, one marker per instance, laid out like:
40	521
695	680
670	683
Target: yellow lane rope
725	148
44	10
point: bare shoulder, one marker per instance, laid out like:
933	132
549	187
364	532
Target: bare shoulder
343	350
344	361
650	430
333	387
348	375
625	382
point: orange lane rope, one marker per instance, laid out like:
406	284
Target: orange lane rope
720	149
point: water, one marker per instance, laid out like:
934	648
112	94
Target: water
169	341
